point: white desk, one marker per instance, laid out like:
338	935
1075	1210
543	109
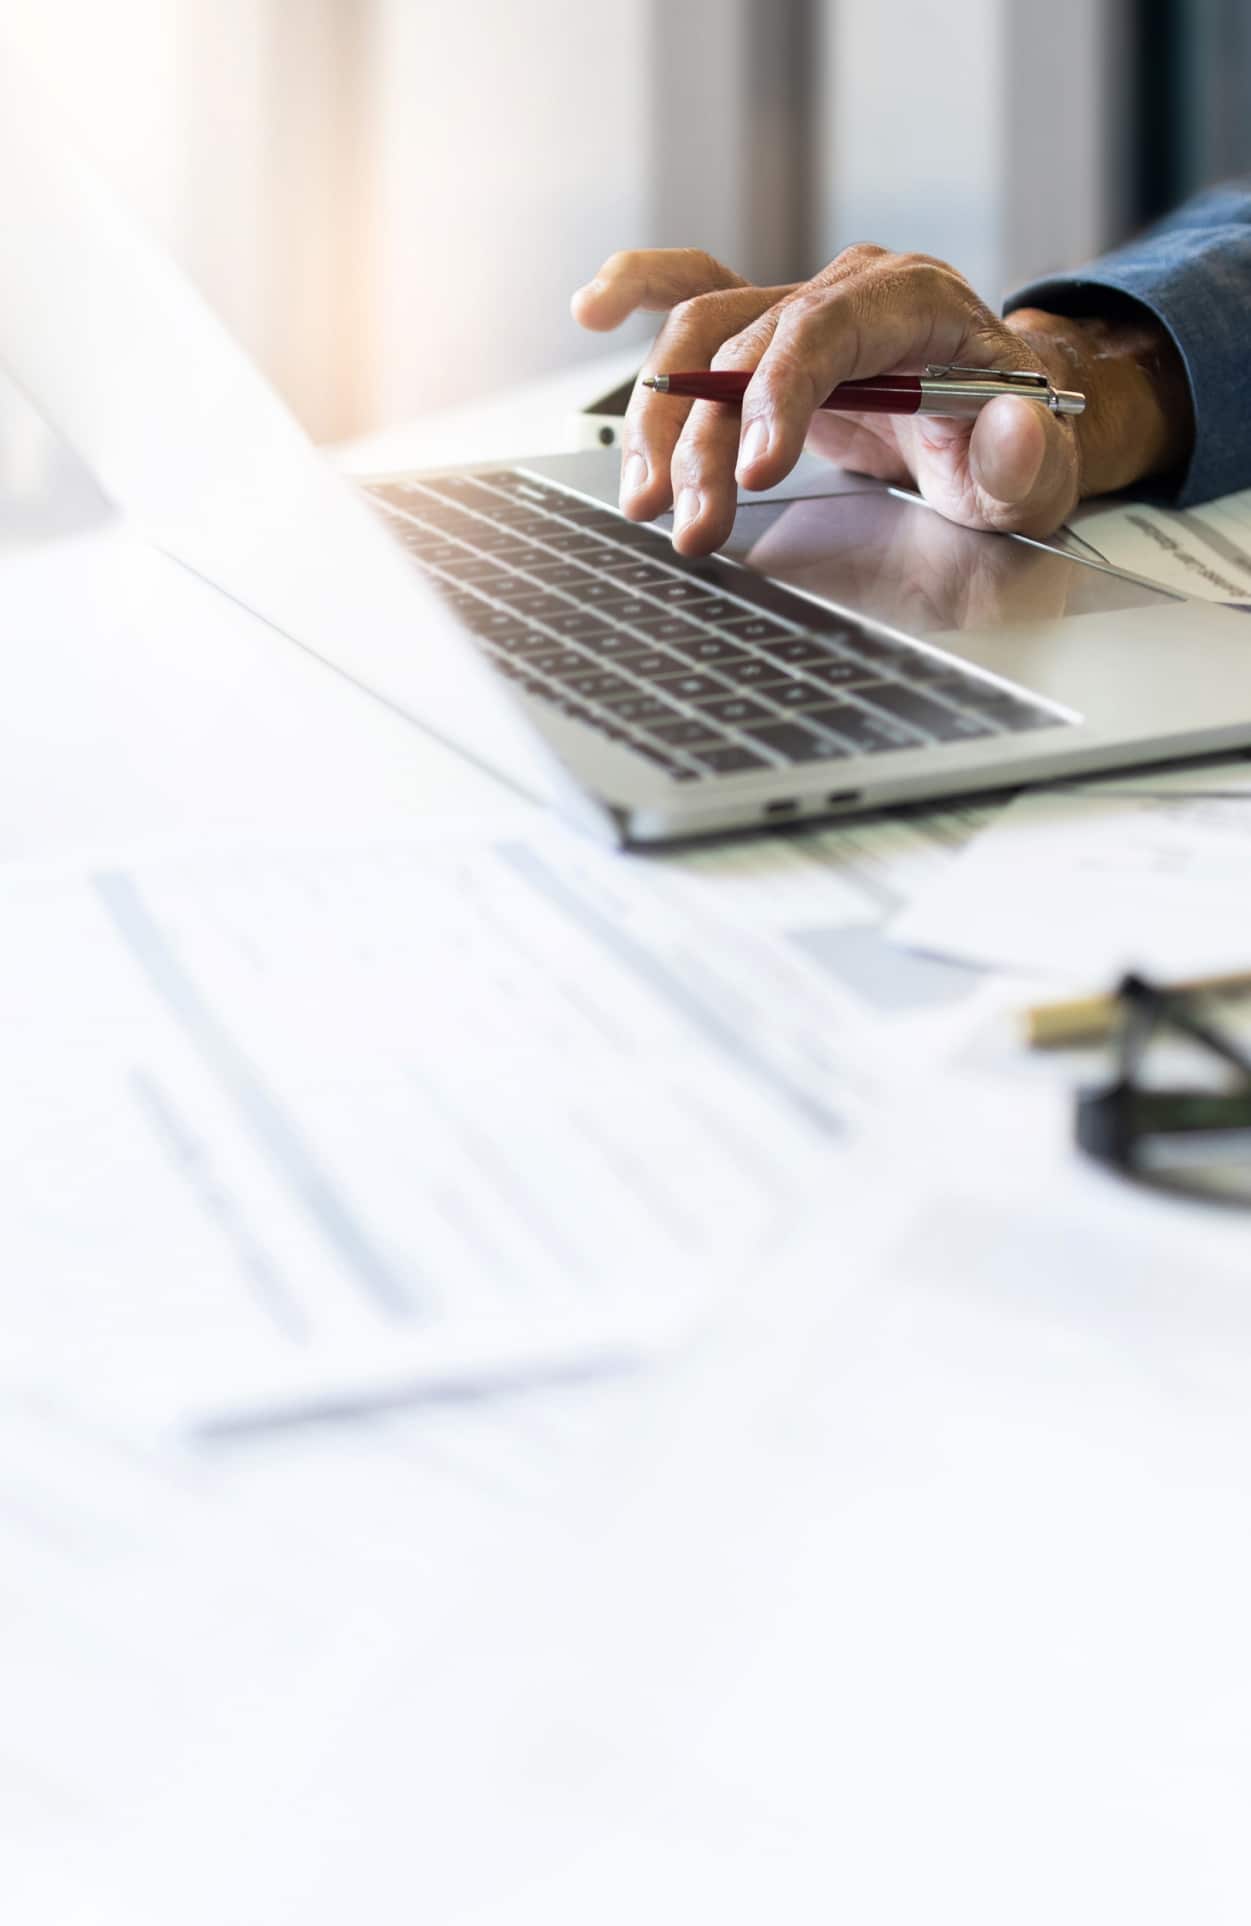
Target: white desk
920	1594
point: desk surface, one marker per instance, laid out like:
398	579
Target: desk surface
920	1590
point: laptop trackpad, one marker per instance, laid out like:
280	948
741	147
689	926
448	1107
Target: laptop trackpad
900	562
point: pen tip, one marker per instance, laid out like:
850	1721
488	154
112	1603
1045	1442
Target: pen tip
649	381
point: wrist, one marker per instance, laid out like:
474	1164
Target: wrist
1138	421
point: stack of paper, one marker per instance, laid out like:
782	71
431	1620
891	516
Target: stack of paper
1146	873
289	1129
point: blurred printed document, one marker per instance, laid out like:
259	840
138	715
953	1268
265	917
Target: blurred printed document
289	1129
1095	882
1204	551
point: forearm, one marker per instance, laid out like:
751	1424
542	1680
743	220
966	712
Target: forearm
1138	423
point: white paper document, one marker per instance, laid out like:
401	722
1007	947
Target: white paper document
1091	884
288	1129
1203	551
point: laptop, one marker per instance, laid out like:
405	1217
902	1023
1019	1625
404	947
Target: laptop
848	650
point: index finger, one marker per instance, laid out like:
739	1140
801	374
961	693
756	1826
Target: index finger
880	313
650	279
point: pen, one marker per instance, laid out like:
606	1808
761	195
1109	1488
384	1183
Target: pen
1092	1019
938	390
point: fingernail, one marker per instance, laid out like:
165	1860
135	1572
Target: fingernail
686	508
633	475
755	443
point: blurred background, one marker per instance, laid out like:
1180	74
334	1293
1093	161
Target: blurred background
389	201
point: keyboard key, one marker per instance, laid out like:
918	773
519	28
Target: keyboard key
736	709
558	662
650	663
837	670
476	571
797	694
788	739
581	625
615	645
645	576
528	528
584	513
607	560
485	620
458	598
572	545
638	535
501	548
519	588
636	707
563	575
537	606
522	643
681	731
800	649
524	555
693	687
598	685
447	523
923	712
594	588
431	550
708	648
514	483
717	608
760	672
731	759
679	591
673	629
468	489
756	628
625	608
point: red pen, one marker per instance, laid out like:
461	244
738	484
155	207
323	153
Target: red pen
946	390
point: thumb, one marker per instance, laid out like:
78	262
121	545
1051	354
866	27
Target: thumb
1023	461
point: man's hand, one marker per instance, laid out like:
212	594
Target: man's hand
1016	466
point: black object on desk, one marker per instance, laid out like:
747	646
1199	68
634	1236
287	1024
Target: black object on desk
1194	1140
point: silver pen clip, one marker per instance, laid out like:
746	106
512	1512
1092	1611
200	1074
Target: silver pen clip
947	388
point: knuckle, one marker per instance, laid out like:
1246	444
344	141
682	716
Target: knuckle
937	281
709	317
693	310
740	351
807	321
859	254
916	262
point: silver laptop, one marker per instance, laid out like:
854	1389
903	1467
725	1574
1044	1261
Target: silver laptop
848	649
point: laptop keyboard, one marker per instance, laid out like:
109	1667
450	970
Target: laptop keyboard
703	669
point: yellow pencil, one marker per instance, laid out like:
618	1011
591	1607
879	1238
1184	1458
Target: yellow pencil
1093	1019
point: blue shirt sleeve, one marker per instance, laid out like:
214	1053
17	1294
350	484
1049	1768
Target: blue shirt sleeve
1193	273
